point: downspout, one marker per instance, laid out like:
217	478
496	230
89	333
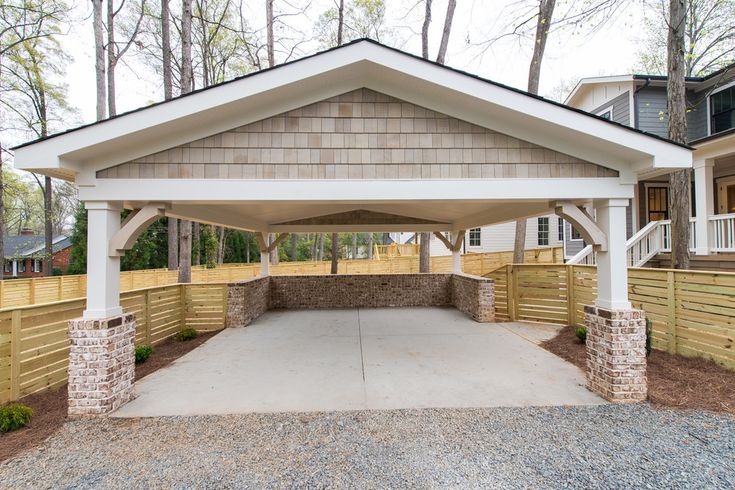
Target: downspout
635	101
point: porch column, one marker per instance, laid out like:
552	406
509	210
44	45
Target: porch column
264	263
102	343
103	270
704	192
457	252
15	268
616	333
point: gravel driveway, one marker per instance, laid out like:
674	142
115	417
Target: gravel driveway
593	447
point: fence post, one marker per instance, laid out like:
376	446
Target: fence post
671	311
511	285
2	293
32	292
148	339
61	287
15	318
182	292
571	317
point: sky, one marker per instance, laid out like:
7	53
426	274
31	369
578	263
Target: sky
609	51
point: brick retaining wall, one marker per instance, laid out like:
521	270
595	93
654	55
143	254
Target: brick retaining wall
249	299
474	296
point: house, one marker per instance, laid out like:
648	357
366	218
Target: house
639	101
24	254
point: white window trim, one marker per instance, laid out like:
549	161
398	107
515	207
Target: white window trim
709	111
607	109
548	231
646	186
469	237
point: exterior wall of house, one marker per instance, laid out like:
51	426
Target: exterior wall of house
501	237
60	261
358	135
620	108
600	93
651	111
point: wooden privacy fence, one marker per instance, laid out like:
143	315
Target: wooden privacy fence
23	292
693	312
34	340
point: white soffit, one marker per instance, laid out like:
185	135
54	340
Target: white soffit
362	63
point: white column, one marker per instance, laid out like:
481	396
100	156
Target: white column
264	263
103	271
15	268
456	254
704	192
612	269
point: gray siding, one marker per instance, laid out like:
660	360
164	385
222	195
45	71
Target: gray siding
651	104
573	247
621	108
697	119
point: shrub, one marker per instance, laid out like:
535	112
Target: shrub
581	333
186	334
649	336
142	353
15	416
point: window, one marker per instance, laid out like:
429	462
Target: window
722	110
37	265
607	113
576	235
475	237
8	266
543	231
658	203
560	230
21	266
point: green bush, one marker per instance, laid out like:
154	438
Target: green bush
142	353
649	336
581	333
15	416
186	334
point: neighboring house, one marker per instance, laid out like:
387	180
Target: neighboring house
640	101
24	254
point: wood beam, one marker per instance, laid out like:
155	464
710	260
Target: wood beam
584	223
133	226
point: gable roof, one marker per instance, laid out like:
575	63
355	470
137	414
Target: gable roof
362	62
32	245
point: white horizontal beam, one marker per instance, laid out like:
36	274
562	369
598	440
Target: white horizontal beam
354	191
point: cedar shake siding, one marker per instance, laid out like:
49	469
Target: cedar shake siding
358	135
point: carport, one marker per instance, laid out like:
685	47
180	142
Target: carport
358	138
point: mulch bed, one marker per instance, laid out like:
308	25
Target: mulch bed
49	407
673	381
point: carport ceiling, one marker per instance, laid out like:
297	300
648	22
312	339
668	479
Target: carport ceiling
429	215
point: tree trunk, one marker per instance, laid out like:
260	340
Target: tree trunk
99	58
185	82
186	67
185	269
111	59
221	245
294	245
386	238
340	28
445	34
173	244
353	251
370	246
48	262
321	246
424	253
166	53
680	180
195	240
335	252
425	30
269	32
2	211
274	258
543	23
247	247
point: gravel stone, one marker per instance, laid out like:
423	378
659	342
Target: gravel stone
607	446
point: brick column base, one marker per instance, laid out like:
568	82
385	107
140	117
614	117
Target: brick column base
616	354
101	364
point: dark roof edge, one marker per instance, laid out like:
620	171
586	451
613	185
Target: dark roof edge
356	41
714	74
711	137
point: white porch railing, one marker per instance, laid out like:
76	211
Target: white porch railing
722	229
650	240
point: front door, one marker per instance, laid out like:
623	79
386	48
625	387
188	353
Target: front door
658	203
726	195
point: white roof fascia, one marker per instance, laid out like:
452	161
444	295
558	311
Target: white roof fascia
213	110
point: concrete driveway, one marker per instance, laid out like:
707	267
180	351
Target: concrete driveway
385	358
